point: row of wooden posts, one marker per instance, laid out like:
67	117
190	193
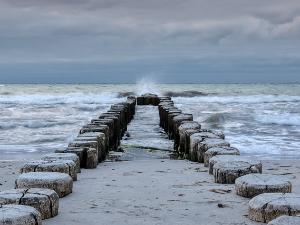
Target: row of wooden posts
101	135
104	133
180	127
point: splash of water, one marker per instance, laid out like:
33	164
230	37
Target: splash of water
147	85
218	118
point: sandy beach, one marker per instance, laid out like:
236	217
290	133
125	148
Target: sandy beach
152	192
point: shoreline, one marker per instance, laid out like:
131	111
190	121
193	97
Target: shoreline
158	191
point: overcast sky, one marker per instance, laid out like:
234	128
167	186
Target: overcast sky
119	41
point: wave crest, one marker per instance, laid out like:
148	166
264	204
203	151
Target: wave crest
185	94
33	124
257	99
70	98
286	119
218	118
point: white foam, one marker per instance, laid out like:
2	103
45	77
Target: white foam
90	107
258	145
217	118
33	124
68	98
71	137
41	124
281	119
237	99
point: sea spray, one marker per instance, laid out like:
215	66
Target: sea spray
218	118
147	85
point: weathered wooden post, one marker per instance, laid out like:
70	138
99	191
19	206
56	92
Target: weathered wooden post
97	128
183	148
177	120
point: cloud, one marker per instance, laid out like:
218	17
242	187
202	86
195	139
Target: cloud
289	29
148	20
131	32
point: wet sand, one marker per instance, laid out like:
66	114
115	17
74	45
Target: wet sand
160	191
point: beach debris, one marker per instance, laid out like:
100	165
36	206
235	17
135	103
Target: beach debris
220	191
220	205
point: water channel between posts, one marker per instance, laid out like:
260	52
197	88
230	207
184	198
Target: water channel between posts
144	138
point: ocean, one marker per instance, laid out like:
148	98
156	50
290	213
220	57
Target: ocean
261	120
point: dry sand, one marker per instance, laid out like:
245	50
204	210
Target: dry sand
152	192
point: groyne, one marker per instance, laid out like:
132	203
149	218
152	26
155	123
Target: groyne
103	135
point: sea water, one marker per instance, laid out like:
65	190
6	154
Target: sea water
259	119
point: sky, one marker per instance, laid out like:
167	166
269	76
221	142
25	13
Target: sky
171	41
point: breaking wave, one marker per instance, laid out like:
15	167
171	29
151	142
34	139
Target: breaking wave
89	107
68	98
125	94
185	94
6	126
218	118
147	85
33	124
47	140
283	119
238	99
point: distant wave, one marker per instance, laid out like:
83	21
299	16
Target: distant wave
283	119
6	126
185	94
32	124
6	93
167	93
255	99
218	118
89	108
70	98
47	140
125	94
42	124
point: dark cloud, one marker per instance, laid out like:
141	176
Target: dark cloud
155	35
